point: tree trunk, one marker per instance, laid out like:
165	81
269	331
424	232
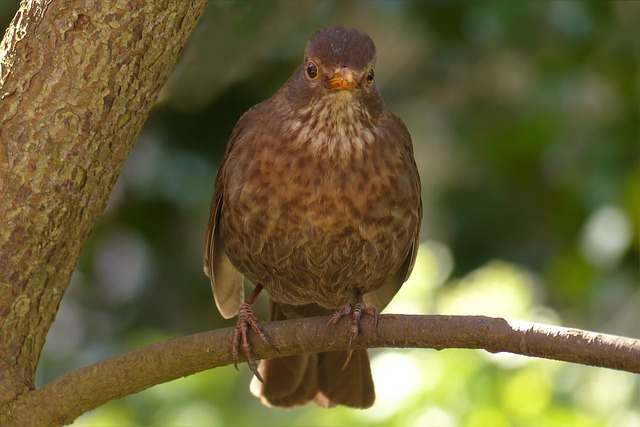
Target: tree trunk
77	81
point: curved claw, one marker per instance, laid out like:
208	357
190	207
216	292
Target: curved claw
356	311
246	318
335	317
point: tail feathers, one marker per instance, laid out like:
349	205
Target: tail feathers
296	380
351	387
289	381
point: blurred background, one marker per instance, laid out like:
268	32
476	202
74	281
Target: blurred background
525	124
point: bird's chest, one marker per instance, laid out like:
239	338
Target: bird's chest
296	199
315	175
316	222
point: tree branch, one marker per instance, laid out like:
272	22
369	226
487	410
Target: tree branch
94	385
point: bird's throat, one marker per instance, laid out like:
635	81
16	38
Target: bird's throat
335	125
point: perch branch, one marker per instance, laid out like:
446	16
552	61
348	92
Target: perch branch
94	385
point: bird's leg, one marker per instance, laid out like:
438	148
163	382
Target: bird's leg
246	318
356	311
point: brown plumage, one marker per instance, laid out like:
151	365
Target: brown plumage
317	201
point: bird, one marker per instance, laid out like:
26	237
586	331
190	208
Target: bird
317	201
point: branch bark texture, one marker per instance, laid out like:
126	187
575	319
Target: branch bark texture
62	400
77	81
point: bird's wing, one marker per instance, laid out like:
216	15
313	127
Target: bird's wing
226	280
383	295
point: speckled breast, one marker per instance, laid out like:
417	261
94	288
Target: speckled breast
315	228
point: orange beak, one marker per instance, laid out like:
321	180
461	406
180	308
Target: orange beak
342	79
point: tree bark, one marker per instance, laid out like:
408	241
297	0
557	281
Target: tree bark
62	400
77	81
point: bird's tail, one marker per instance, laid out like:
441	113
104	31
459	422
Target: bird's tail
296	380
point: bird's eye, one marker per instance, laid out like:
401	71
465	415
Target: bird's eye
370	76
312	70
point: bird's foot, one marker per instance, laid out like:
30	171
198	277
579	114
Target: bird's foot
247	318
356	311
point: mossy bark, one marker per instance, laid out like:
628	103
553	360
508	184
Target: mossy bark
77	81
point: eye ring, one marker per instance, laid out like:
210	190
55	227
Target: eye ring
370	75
312	70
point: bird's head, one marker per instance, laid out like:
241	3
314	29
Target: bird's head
331	100
340	59
338	68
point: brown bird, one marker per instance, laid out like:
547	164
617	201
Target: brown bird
317	201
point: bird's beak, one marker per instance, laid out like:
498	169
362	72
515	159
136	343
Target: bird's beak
342	79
